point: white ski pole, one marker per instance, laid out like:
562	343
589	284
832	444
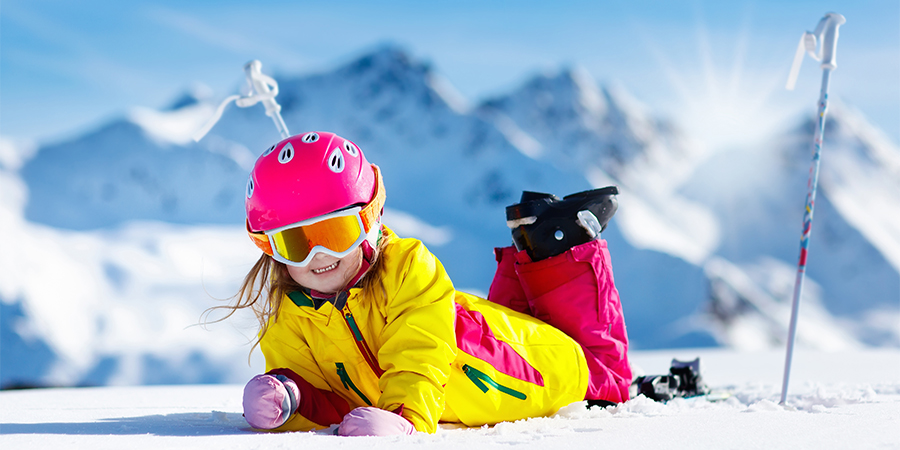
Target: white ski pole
263	88
826	33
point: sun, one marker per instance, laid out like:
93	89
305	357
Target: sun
720	99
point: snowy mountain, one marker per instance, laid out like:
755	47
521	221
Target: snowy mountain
121	172
607	137
575	122
733	214
126	232
758	197
406	121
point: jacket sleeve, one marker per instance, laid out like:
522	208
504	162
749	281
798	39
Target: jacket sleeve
418	342
319	407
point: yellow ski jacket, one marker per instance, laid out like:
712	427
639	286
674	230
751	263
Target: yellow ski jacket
425	350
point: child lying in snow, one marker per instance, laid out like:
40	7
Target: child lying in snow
363	328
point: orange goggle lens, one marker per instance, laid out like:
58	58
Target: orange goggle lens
336	235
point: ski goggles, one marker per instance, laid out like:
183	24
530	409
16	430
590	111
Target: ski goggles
336	234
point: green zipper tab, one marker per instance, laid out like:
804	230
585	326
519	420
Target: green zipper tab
348	383
352	322
480	378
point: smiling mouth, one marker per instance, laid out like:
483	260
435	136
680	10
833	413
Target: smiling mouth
326	268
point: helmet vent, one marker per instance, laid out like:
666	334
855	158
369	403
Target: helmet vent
269	150
310	137
250	187
286	154
351	149
336	160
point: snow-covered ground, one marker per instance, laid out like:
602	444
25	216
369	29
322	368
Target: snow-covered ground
837	400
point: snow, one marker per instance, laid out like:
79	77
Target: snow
864	180
408	225
669	224
754	292
176	126
837	400
14	153
456	101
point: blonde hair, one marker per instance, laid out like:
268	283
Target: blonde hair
268	282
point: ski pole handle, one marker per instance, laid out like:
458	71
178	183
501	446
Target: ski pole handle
829	36
264	93
261	84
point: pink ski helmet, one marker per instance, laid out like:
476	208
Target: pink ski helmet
307	176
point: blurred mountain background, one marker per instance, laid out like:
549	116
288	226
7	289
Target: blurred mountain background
120	232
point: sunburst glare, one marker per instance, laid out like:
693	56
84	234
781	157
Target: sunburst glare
721	100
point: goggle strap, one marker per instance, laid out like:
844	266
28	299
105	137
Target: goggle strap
372	211
260	239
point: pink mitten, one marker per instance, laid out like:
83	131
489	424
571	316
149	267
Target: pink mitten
269	400
371	421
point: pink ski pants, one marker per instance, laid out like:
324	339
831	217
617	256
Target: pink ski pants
575	292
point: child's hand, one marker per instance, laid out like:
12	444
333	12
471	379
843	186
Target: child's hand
371	421
269	400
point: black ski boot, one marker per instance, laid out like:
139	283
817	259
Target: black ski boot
546	226
683	380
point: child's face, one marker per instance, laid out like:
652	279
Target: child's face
327	274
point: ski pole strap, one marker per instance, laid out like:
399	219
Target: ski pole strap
262	88
802	49
215	118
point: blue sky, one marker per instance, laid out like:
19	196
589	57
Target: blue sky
68	66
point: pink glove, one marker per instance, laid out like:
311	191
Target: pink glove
269	400
371	421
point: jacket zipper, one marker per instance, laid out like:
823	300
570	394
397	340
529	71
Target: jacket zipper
361	344
348	383
480	378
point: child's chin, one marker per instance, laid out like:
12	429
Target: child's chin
327	283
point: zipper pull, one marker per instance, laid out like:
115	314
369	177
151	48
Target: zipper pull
474	377
348	316
481	380
342	373
348	383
